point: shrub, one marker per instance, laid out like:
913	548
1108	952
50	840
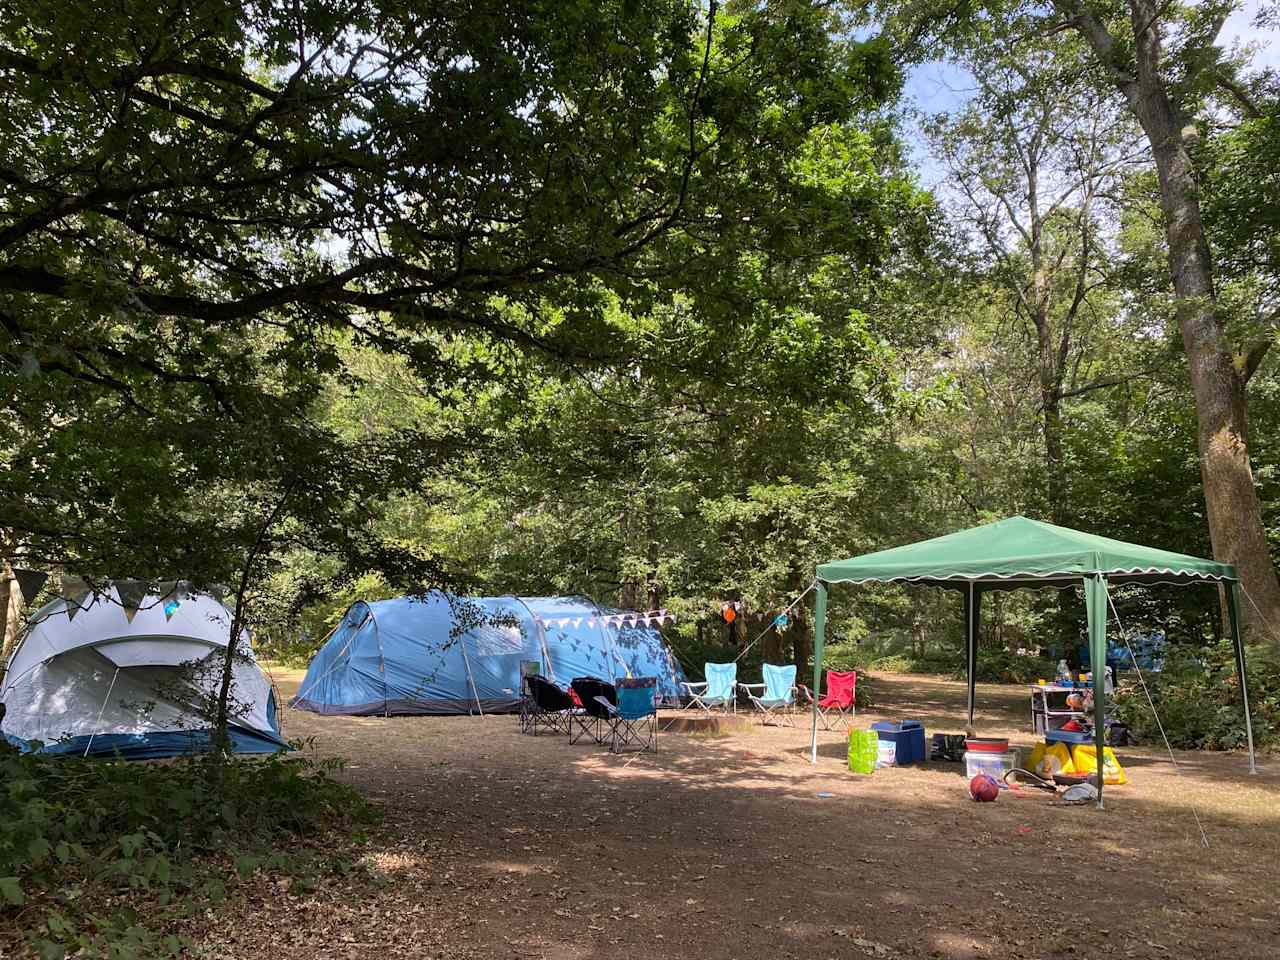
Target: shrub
994	666
1001	666
1197	695
113	828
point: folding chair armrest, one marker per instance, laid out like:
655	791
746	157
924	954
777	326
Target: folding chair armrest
802	689
609	707
689	686
748	687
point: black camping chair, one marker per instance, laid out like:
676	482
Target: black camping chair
552	707
593	719
528	668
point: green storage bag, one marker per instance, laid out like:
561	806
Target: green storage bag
864	750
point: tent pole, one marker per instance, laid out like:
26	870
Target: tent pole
101	710
542	635
819	641
1233	611
462	642
611	647
382	665
1095	602
973	621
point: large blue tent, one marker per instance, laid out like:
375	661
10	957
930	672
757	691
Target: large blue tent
441	654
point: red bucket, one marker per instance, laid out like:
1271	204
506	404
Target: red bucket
987	744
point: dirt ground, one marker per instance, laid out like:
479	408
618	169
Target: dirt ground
498	845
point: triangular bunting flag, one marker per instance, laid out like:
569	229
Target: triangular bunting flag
30	583
132	593
76	591
577	623
172	593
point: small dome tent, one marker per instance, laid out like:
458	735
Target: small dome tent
98	677
442	654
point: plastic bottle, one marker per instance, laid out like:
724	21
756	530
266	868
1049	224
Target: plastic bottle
1064	672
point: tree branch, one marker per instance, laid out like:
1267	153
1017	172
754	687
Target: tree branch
1254	357
1107	382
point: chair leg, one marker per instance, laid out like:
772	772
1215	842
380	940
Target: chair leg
642	732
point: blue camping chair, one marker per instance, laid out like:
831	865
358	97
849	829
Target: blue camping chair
720	689
777	695
633	722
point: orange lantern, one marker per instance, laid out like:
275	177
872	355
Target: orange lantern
729	613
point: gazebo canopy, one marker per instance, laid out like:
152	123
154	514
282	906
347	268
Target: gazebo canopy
1018	552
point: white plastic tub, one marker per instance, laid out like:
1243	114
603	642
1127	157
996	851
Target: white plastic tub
994	764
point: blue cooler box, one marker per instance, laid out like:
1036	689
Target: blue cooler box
901	741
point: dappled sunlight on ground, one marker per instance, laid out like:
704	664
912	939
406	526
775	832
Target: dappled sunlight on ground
502	845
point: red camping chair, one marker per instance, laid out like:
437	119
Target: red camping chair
839	701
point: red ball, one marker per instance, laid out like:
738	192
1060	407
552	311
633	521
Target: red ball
984	788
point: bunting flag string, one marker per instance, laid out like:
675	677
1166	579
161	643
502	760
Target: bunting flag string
652	618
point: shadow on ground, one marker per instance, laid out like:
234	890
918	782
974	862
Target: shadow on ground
502	845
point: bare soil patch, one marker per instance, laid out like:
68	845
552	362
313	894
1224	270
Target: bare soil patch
500	845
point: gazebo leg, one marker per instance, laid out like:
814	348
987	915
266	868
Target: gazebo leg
819	641
1095	602
973	624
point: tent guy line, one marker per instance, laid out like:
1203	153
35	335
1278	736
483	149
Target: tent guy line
774	622
1124	635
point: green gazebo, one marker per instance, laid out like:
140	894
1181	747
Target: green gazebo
1017	552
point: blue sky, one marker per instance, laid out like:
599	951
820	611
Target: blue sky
938	86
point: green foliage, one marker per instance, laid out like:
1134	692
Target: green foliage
1197	695
1001	666
994	666
77	834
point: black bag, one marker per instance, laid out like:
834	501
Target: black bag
948	747
1117	735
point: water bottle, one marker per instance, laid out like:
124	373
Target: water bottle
1064	673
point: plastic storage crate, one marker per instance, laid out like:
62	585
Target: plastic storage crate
901	742
995	765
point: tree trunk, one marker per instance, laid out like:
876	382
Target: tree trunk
11	607
772	641
801	648
1051	404
1231	500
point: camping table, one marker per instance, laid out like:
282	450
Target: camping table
1042	710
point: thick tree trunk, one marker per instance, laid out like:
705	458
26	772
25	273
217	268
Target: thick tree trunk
1231	500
